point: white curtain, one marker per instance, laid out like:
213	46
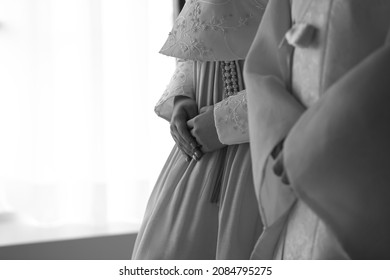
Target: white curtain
79	141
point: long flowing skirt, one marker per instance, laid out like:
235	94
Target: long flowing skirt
180	221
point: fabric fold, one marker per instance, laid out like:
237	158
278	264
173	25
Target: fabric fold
337	157
273	110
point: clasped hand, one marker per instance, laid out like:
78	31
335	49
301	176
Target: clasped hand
194	132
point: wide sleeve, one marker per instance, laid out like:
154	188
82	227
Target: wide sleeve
231	119
338	158
272	110
182	83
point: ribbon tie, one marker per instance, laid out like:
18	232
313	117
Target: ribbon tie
300	35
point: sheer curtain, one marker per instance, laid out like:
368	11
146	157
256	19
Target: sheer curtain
80	143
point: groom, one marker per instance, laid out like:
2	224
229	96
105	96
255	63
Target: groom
318	91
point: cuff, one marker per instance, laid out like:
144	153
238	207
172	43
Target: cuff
231	119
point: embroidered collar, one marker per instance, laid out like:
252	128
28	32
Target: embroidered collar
214	30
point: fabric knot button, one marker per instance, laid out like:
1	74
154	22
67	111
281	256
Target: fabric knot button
301	35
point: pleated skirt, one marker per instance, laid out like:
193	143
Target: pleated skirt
180	220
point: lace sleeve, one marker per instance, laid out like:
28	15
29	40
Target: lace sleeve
181	84
231	119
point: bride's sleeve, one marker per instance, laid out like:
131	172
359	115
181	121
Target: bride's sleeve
182	83
231	119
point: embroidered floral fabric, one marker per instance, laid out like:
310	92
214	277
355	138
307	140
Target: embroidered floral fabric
182	83
214	30
231	119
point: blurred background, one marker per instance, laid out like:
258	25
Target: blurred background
80	145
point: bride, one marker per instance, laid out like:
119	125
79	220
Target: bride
203	205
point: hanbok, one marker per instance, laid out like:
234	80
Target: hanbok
181	220
322	89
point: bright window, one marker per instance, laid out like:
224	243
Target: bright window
80	143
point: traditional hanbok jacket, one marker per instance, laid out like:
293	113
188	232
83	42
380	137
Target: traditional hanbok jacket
213	31
322	86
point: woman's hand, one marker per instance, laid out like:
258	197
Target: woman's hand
203	130
184	109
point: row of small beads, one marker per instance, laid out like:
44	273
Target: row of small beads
229	76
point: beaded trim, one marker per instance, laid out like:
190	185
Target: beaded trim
229	77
